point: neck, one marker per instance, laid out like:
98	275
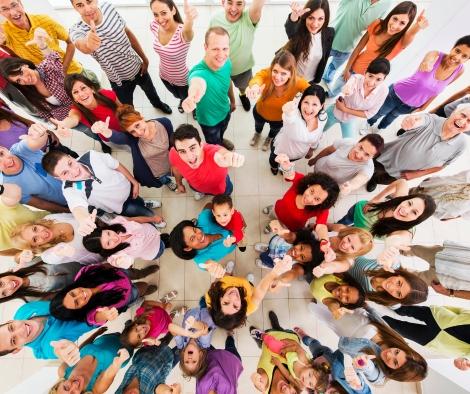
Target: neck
376	282
23	23
25	282
152	129
298	201
210	65
63	229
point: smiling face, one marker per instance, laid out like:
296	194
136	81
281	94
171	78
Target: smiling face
217	50
77	298
110	239
223	214
315	21
280	76
83	94
36	235
362	152
9	284
191	356
13	11
138	333
393	357
26	76
230	302
308	378
301	253
280	385
190	151
233	9
409	210
194	238
350	244
17	333
346	294
397	23
163	15
88	10
314	195
9	164
371	81
458	55
139	129
458	121
397	286
310	107
75	384
69	169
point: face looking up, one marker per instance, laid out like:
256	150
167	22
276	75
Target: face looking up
26	76
397	23
371	81
139	129
393	357
10	284
13	11
315	21
88	10
190	151
17	333
191	356
110	239
310	107
397	286
362	152
217	50
163	15
83	94
409	210
194	238
233	9
350	244
9	164
301	253
37	235
346	294
77	298
314	195
458	121
280	76
230	302
138	333
223	214
69	169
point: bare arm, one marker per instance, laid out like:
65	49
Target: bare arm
397	188
408	175
136	47
190	13
255	10
325	152
45	205
420	24
261	289
454	97
68	56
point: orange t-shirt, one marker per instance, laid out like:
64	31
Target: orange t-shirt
371	50
271	107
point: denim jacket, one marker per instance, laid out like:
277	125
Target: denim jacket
354	347
336	361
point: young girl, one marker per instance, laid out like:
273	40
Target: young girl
361	97
436	71
98	294
302	127
310	38
384	38
171	42
274	86
122	241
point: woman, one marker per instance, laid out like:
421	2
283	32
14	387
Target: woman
171	43
273	87
302	127
153	140
98	294
38	281
384	38
310	38
12	127
393	358
436	71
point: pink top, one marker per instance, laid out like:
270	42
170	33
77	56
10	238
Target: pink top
422	85
159	321
173	56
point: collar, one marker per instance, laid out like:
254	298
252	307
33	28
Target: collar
12	26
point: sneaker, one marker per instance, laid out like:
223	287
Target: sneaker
371	185
266	144
242	248
255	140
168	297
198	196
366	129
152	204
165	108
261	247
180	107
227	144
177	312
245	102
267	210
259	263
400	132
229	267
259	343
256	333
299	332
136	273
172	184
250	278
274	171
160	224
267	229
105	148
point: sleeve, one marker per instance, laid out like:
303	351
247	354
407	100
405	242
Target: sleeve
75	198
291	27
52	65
58	29
302	84
108	160
77	32
35	308
22	149
372	26
297	177
340	143
238	225
322	216
460	149
368	169
260	77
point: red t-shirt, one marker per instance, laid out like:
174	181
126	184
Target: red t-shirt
291	216
208	178
236	226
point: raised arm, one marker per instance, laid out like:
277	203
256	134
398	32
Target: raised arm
106	378
355	53
190	13
397	188
90	43
420	24
453	98
325	152
196	91
255	10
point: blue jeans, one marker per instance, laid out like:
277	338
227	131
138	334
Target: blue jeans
338	85
336	60
348	129
125	91
136	207
391	109
161	250
266	259
348	219
215	134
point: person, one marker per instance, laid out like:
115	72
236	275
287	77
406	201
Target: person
121	241
43	84
97	295
171	40
13	214
12	127
348	162
350	22
203	165
361	97
33	326
310	38
386	38
231	219
442	329
21	165
451	194
210	90
241	24
96	180
272	87
302	127
436	71
448	106
152	139
19	27
394	359
103	33
408	156
56	238
100	361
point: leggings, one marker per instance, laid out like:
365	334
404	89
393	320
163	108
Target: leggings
230	346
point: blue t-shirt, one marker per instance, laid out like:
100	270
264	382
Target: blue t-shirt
216	250
33	179
54	330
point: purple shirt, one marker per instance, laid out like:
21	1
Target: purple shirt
421	86
223	371
12	136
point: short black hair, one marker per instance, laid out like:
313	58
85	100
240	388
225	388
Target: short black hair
185	131
221	199
50	159
379	65
177	241
465	40
376	140
326	182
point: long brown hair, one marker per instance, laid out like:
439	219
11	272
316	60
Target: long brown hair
170	3
286	60
11	117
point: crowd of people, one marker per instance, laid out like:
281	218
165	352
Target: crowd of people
74	225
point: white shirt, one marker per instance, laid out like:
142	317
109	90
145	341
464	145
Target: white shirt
308	67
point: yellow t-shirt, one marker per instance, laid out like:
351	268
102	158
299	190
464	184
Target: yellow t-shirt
17	38
235	281
10	217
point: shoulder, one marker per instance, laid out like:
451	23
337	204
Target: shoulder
329	33
373	25
109	94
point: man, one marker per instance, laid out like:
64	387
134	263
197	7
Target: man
349	163
18	30
240	25
204	166
352	18
427	143
103	34
48	337
21	165
210	88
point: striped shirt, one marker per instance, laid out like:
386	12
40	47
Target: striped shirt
115	55
173	56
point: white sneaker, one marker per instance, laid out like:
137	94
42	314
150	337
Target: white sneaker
250	278
259	264
368	129
152	204
267	210
161	224
229	267
198	196
261	247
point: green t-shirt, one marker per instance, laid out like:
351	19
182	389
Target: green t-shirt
242	35
215	104
361	219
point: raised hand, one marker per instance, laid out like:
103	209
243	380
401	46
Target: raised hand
189	323
63	250
215	269
37	131
345	188
428	63
422	21
282	266
66	351
102	128
121	358
388	257
253	92
229	241
283	161
93	41
277	228
108	314
290	106
121	260
229	159
87	224
360	361
40	38
195	92
318	272
190	12
297	10
340	312
24	258
352	378
61	128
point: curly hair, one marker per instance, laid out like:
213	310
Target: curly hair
326	182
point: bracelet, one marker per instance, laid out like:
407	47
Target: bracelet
2	189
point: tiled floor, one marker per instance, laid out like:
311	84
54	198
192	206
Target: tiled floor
254	187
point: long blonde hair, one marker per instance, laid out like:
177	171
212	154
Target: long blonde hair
286	60
366	238
19	243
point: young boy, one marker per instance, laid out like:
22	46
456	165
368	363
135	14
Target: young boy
229	218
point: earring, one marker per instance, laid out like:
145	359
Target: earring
321	117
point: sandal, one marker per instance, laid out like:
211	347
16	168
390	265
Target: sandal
168	297
177	312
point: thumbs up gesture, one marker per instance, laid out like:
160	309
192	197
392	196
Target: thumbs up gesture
254	91
93	41
87	224
40	38
66	351
102	128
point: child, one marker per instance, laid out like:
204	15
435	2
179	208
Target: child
231	219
